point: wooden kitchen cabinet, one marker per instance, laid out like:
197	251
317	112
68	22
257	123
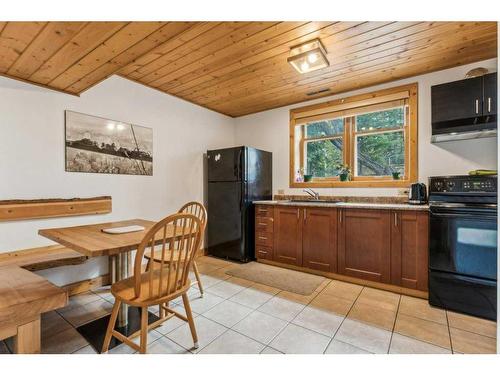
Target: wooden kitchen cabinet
319	239
409	249
385	246
364	244
264	232
302	236
288	235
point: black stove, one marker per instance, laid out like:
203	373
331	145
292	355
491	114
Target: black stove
463	244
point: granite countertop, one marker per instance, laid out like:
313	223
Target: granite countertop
379	206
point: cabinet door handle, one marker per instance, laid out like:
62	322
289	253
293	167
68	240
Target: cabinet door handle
477	106
262	210
263	224
305	214
395	219
262	238
340	216
298	214
489	105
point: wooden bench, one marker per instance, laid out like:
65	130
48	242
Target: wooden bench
22	209
24	296
41	258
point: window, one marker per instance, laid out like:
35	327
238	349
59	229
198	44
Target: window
374	134
323	147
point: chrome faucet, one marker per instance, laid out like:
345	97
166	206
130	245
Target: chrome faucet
312	193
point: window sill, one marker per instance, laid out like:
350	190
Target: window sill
353	184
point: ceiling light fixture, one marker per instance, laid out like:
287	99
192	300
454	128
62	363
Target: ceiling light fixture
308	56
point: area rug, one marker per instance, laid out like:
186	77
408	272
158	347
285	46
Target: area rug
282	278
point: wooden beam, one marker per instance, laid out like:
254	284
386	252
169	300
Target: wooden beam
42	208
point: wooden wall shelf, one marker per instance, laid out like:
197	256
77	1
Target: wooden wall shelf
43	208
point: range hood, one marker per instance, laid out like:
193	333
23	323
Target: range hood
463	132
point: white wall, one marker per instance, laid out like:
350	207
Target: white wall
32	157
269	131
32	152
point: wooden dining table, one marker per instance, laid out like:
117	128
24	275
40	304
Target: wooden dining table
91	241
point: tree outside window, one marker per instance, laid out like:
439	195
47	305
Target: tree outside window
373	140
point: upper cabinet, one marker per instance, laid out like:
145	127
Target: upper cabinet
490	95
457	100
464	109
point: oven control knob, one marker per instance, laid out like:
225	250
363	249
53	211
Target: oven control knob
450	185
438	185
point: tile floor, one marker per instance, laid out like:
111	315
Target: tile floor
238	316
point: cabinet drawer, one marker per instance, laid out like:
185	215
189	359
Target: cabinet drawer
264	211
263	253
263	238
264	224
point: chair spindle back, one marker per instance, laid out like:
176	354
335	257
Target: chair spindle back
197	209
178	237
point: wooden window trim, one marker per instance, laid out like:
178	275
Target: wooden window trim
298	116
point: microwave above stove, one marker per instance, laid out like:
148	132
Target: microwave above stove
464	109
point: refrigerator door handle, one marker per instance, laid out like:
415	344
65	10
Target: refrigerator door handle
238	167
242	193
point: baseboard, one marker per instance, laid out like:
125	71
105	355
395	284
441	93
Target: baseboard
353	280
203	252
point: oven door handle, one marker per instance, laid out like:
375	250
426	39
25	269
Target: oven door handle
454	206
479	216
486	213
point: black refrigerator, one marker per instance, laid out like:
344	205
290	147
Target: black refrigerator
236	177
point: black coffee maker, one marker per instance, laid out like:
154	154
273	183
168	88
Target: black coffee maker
417	194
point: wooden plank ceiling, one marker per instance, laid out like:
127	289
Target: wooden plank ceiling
236	68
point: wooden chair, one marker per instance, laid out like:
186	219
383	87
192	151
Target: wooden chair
197	209
163	281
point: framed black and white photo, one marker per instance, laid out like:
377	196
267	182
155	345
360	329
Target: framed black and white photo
99	145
